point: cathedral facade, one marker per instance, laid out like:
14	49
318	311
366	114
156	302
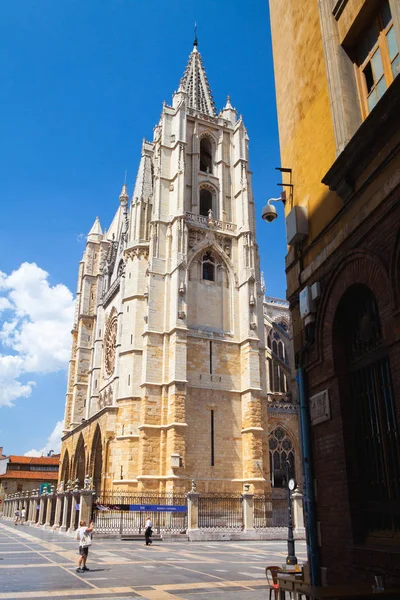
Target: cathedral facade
169	379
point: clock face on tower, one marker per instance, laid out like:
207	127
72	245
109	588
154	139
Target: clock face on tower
110	340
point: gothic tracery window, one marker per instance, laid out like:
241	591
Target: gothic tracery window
110	340
281	458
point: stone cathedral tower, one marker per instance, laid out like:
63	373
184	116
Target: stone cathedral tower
167	375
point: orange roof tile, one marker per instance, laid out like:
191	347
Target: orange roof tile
35	460
40	475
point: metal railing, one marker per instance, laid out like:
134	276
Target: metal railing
221	511
125	514
270	511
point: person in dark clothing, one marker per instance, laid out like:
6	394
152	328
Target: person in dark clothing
148	532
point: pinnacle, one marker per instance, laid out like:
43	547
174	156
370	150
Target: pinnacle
124	193
96	229
228	104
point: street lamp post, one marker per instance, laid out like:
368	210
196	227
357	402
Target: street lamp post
291	558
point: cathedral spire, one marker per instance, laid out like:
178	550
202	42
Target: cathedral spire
195	83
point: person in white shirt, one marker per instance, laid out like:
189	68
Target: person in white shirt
148	532
23	513
84	535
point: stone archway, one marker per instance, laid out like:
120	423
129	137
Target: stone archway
65	474
80	461
96	460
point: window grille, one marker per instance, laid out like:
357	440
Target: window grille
376	461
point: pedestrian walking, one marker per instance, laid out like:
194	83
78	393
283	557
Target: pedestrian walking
148	531
23	514
17	515
84	535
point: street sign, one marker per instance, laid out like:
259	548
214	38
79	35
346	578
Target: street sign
156	508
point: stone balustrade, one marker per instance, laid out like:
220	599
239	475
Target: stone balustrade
57	509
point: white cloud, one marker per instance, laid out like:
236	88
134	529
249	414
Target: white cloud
37	329
53	442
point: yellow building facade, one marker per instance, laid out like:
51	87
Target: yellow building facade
338	95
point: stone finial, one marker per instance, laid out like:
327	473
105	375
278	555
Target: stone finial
69	485
87	482
123	197
76	486
52	489
61	487
193	486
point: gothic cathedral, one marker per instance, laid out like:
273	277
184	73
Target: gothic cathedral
167	380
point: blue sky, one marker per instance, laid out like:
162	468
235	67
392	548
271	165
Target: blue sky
82	84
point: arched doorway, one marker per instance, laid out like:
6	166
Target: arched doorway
80	461
65	468
96	460
370	426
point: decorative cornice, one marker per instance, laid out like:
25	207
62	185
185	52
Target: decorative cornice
282	408
366	145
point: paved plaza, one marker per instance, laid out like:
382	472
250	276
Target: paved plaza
35	563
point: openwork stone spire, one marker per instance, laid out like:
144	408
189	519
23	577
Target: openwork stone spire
144	180
195	84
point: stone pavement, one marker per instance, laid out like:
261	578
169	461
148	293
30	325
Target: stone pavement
37	563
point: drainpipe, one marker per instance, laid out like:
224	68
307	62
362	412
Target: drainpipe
309	495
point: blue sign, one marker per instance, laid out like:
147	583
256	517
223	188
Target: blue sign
156	508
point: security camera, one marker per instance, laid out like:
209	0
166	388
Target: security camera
269	212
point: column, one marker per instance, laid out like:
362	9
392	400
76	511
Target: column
32	504
85	508
15	504
248	512
193	510
71	528
42	508
59	502
298	518
35	516
65	513
50	500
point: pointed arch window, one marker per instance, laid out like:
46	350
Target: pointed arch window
208	267
206	155
281	458
206	202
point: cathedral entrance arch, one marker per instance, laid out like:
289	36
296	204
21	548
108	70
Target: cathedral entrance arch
80	461
65	468
96	460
